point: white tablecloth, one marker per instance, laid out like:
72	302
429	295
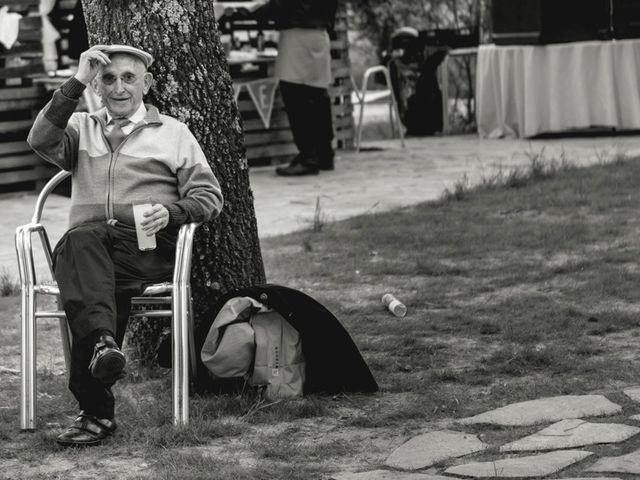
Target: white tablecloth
523	91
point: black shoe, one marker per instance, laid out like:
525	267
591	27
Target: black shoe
325	160
297	169
86	431
107	364
326	166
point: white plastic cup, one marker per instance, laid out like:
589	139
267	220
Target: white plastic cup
145	242
394	305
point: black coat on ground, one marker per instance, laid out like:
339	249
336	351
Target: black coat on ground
333	362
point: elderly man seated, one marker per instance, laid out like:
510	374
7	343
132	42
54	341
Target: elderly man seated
125	153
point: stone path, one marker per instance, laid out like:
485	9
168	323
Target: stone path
565	440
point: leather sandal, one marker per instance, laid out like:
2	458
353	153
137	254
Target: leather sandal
108	362
87	430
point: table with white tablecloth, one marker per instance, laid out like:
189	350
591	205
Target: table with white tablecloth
522	91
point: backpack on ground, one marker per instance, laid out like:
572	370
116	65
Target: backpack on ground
332	361
249	340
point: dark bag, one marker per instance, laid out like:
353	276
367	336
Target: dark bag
333	363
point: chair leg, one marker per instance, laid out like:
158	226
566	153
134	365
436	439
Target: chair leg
363	94
192	341
28	361
393	109
444	85
393	105
180	356
65	335
361	116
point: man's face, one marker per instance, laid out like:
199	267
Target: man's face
122	84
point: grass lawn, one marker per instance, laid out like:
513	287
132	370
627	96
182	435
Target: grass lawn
524	287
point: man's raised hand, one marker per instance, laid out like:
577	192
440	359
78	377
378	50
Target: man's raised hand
90	63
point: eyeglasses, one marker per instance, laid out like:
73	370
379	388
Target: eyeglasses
128	78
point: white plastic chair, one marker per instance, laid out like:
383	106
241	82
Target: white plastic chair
177	298
394	114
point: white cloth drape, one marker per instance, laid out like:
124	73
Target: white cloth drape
49	36
527	90
9	27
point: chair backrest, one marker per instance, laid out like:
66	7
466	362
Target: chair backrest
45	192
363	94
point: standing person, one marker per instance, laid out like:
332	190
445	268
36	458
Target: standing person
123	153
303	67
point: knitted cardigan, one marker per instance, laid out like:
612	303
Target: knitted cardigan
159	160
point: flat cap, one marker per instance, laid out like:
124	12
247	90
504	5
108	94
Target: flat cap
146	58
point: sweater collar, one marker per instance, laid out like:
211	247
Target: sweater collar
152	117
138	115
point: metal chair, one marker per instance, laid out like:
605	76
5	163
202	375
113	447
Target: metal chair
176	296
393	104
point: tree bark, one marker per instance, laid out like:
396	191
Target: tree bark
192	83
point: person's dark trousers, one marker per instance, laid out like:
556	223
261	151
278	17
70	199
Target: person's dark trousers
98	268
309	112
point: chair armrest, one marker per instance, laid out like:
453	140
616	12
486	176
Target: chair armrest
184	250
24	251
44	194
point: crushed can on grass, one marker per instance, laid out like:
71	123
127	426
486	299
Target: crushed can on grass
394	305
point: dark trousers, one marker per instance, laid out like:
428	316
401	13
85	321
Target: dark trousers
309	112
98	268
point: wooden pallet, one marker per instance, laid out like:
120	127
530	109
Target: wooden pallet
340	91
20	168
25	56
266	146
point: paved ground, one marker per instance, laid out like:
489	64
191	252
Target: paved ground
382	178
563	440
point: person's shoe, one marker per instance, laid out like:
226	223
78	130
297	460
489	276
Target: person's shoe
297	169
87	430
325	161
107	364
326	165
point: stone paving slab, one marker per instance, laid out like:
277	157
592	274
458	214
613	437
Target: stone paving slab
433	447
525	467
544	410
633	393
570	434
387	475
629	463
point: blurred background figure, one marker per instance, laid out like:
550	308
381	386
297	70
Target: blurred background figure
414	80
303	68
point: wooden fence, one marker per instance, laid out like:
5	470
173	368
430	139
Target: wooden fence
20	168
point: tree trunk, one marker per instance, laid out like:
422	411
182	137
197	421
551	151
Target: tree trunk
192	84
